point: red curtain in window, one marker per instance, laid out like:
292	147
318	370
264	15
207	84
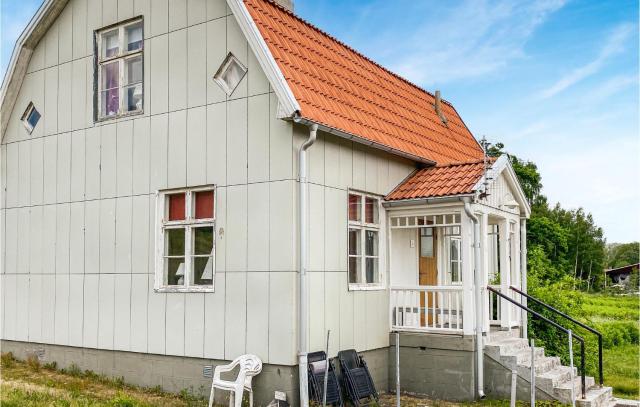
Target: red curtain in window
354	207
177	207
204	205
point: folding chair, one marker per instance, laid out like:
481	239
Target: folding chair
316	369
356	377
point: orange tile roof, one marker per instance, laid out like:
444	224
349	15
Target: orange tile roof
440	180
340	88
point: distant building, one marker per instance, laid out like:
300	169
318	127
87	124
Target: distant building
622	275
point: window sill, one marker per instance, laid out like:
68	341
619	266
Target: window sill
119	116
206	289
366	287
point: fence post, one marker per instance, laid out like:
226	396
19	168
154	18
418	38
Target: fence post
326	372
514	383
573	395
533	373
397	369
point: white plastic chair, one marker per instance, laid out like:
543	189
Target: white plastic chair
250	365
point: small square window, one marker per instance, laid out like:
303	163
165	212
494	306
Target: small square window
230	74
30	117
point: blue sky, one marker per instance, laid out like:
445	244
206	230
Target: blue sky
555	80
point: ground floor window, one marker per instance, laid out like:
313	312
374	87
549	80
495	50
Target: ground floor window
185	245
364	239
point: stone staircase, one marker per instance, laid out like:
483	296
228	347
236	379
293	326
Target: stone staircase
552	378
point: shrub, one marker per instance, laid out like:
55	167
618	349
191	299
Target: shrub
51	365
33	362
7	359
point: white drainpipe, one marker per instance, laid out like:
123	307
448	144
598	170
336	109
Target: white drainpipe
478	297
303	303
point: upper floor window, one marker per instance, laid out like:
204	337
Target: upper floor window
185	243
230	74
364	239
30	117
119	61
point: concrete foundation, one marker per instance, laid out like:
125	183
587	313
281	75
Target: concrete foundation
175	373
172	373
434	365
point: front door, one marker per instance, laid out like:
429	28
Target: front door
427	271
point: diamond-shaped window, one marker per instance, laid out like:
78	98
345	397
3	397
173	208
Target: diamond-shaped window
230	74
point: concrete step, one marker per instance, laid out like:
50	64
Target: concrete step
616	402
596	397
563	390
523	356
552	378
509	346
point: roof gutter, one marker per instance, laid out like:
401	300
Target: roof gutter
418	201
360	140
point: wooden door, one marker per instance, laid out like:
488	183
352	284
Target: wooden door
427	271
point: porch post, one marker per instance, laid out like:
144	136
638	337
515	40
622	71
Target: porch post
505	274
515	255
523	272
466	231
484	250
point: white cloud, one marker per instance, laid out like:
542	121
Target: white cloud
614	45
471	40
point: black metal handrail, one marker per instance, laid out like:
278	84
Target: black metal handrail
554	324
562	314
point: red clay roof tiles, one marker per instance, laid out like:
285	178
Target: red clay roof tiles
441	180
340	88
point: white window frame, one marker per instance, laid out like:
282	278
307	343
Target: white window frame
217	77
121	57
25	117
188	224
363	227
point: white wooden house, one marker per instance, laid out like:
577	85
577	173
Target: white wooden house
187	181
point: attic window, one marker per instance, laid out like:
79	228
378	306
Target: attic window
230	74
30	117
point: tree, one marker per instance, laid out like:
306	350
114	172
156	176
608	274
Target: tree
619	255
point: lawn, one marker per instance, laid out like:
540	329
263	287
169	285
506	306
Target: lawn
31	384
617	317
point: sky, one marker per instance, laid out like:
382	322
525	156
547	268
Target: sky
556	81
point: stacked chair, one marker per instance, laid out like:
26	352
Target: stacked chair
316	369
356	379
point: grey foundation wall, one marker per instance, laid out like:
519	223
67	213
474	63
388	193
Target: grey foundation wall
172	373
437	366
176	373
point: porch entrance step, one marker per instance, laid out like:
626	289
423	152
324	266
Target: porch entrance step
552	377
616	402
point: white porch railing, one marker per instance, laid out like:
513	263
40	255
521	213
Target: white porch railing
427	308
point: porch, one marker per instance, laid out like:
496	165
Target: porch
431	268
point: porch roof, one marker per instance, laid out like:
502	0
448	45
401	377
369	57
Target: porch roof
442	180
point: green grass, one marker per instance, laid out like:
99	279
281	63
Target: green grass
617	317
27	383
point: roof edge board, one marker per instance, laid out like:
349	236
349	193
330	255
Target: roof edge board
360	140
503	162
265	58
30	37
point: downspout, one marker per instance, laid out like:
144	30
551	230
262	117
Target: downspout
478	297
303	303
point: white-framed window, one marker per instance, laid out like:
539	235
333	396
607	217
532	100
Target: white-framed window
364	240
185	242
30	117
119	66
452	242
230	74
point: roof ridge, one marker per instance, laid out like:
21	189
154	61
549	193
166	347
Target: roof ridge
360	54
467	162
